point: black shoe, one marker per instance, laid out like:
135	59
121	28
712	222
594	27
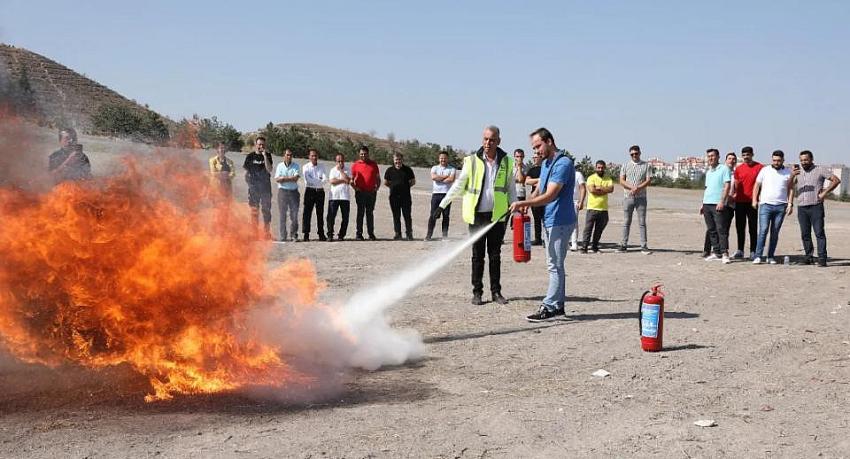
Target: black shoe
537	243
330	238
583	250
359	237
306	238
498	298
397	237
621	249
476	300
340	238
705	254
822	263
595	250
809	261
322	237
372	237
428	239
559	311
542	315
409	237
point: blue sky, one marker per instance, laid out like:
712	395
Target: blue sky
675	77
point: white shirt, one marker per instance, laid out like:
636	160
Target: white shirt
487	200
520	187
577	189
774	185
342	191
442	187
314	176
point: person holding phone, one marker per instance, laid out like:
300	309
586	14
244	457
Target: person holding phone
258	175
809	185
69	163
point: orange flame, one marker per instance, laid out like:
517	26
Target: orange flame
138	269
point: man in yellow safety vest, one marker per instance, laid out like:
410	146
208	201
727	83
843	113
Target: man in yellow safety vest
487	184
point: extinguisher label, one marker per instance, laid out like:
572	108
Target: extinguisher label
649	320
526	242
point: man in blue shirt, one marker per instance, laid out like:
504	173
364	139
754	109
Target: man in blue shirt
555	191
717	182
286	175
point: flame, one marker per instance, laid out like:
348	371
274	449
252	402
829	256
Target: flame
139	269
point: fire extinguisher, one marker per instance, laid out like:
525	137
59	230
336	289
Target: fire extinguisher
651	319
522	237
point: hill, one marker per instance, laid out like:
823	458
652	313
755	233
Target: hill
55	94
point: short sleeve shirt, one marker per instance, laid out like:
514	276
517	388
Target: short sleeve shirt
78	168
809	184
745	177
598	202
774	185
533	172
399	179
579	183
292	170
520	187
561	211
255	164
442	187
635	174
715	179
341	191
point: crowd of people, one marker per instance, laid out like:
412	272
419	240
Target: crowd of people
493	184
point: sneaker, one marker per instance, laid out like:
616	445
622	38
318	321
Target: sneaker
738	254
645	251
772	261
711	257
559	311
476	300
725	260
542	315
498	298
753	256
757	260
428	239
574	247
621	249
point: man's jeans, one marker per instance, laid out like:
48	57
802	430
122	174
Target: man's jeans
812	217
557	245
629	206
365	207
287	205
718	231
771	217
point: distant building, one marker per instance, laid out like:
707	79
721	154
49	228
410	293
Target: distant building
843	173
689	167
661	168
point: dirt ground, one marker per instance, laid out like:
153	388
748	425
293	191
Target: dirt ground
762	350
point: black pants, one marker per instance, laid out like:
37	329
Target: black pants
727	214
595	222
491	242
400	205
343	206
260	197
718	231
537	213
812	217
314	197
365	207
746	216
445	215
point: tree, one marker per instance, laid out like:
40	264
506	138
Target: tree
586	166
123	121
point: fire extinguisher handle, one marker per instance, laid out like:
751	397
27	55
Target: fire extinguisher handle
640	312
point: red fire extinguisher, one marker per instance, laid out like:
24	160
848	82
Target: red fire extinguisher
651	319
522	237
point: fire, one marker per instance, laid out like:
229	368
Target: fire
139	269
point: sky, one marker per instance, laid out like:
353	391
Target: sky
673	77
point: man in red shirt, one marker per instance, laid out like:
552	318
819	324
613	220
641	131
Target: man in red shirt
366	179
745	214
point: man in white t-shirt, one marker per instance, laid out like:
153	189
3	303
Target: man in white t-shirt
340	180
773	197
579	195
443	175
520	171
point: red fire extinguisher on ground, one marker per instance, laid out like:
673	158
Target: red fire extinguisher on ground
522	237
651	319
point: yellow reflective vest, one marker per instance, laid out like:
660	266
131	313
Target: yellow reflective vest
475	181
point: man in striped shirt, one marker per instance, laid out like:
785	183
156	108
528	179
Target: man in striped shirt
635	177
808	182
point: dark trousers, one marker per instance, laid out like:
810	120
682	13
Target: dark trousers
445	214
746	217
313	197
595	222
491	244
260	197
727	214
718	232
812	217
400	205
343	206
537	213
365	207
